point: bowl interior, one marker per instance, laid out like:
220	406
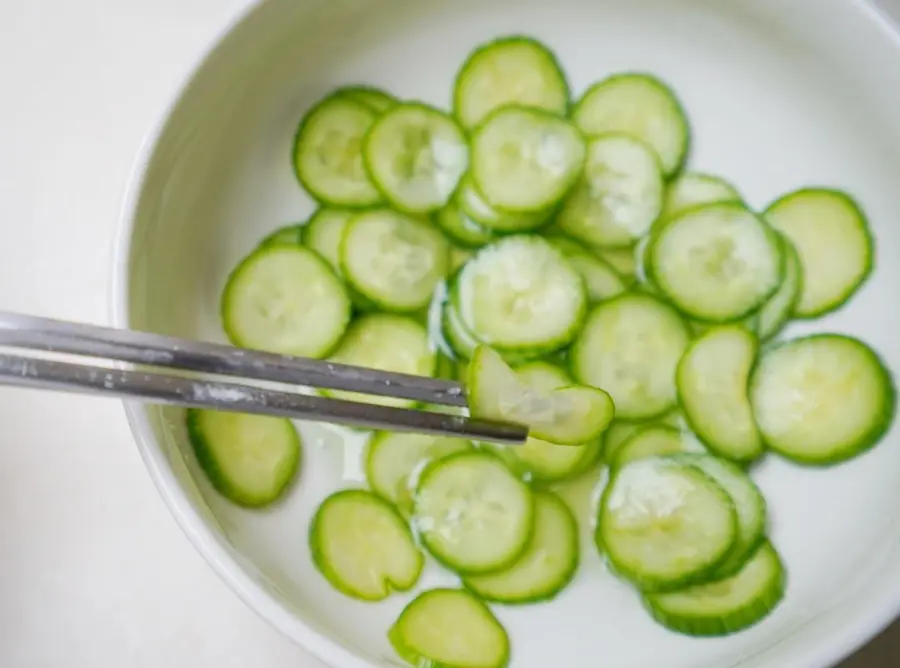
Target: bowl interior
780	95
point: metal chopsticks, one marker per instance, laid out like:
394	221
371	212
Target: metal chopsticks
210	359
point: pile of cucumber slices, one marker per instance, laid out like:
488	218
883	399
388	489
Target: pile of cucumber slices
560	260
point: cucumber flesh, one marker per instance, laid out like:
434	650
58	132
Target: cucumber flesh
392	458
416	156
325	232
653	441
328	157
664	526
712	389
289	235
630	347
249	459
776	312
376	99
832	237
449	628
285	299
695	189
548	564
394	260
716	263
566	416
460	227
623	260
520	295
619	196
822	399
749	504
725	607
473	205
509	71
362	546
639	105
389	343
472	514
601	281
458	257
620	432
525	160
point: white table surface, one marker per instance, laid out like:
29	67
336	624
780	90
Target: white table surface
94	572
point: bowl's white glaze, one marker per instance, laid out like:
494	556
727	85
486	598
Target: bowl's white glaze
781	93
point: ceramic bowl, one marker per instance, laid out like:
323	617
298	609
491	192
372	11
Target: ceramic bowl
781	94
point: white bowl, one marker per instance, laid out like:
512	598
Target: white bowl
781	93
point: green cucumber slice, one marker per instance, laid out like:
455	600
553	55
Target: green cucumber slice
695	189
663	525
725	607
619	196
394	260
822	399
460	227
285	299
639	105
565	416
472	513
416	156
525	160
325	233
630	346
389	343
548	564
473	205
375	98
509	71
520	295
449	628
716	263
712	389
458	257
289	235
749	504
601	281
623	260
327	152
652	441
776	312
251	460
620	432
362	546
392	458
831	235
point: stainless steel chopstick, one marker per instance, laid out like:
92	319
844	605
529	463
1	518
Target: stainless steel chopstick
28	372
35	333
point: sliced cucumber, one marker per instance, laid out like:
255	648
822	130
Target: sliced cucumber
639	105
520	295
362	546
325	232
285	299
449	628
652	441
630	346
510	71
716	263
546	567
389	343
565	416
620	432
461	341
712	389
461	229
328	158
619	196
822	399
289	235
663	525
694	189
725	607
472	514
376	99
391	459
473	205
525	160
832	237
752	514
601	281
458	257
394	260
416	156
776	312
623	260
249	459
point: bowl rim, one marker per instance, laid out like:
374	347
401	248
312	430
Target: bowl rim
881	610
